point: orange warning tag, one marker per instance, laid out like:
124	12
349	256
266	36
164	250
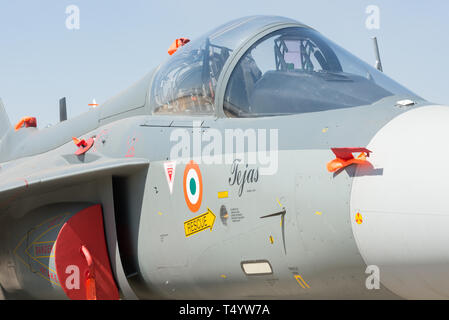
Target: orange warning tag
83	145
91	292
26	122
176	44
345	158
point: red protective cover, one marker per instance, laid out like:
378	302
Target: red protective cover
85	228
346	153
176	44
345	158
84	146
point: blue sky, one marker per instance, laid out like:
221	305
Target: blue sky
120	41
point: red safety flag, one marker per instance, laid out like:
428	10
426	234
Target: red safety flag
176	44
345	158
26	122
83	145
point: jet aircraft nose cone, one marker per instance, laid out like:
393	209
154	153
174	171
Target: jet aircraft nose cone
404	204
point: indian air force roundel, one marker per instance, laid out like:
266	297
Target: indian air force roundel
193	186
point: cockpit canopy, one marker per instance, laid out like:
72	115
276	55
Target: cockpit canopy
288	69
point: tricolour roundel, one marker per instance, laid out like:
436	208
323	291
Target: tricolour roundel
193	186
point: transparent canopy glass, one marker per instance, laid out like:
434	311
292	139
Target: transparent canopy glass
186	82
292	70
297	70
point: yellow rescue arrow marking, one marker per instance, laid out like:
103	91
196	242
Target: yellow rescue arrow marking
199	223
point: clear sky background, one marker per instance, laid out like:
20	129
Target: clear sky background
119	41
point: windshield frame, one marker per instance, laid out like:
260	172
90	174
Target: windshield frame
235	57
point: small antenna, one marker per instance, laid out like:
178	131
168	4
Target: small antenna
376	52
62	110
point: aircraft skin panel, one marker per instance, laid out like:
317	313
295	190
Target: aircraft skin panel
132	98
408	205
313	242
28	247
5	125
180	258
45	257
31	181
191	264
18	144
31	141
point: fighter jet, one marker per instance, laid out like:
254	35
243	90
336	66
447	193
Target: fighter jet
259	161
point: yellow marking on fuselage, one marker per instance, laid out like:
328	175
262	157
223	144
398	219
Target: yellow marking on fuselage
277	199
222	194
301	281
